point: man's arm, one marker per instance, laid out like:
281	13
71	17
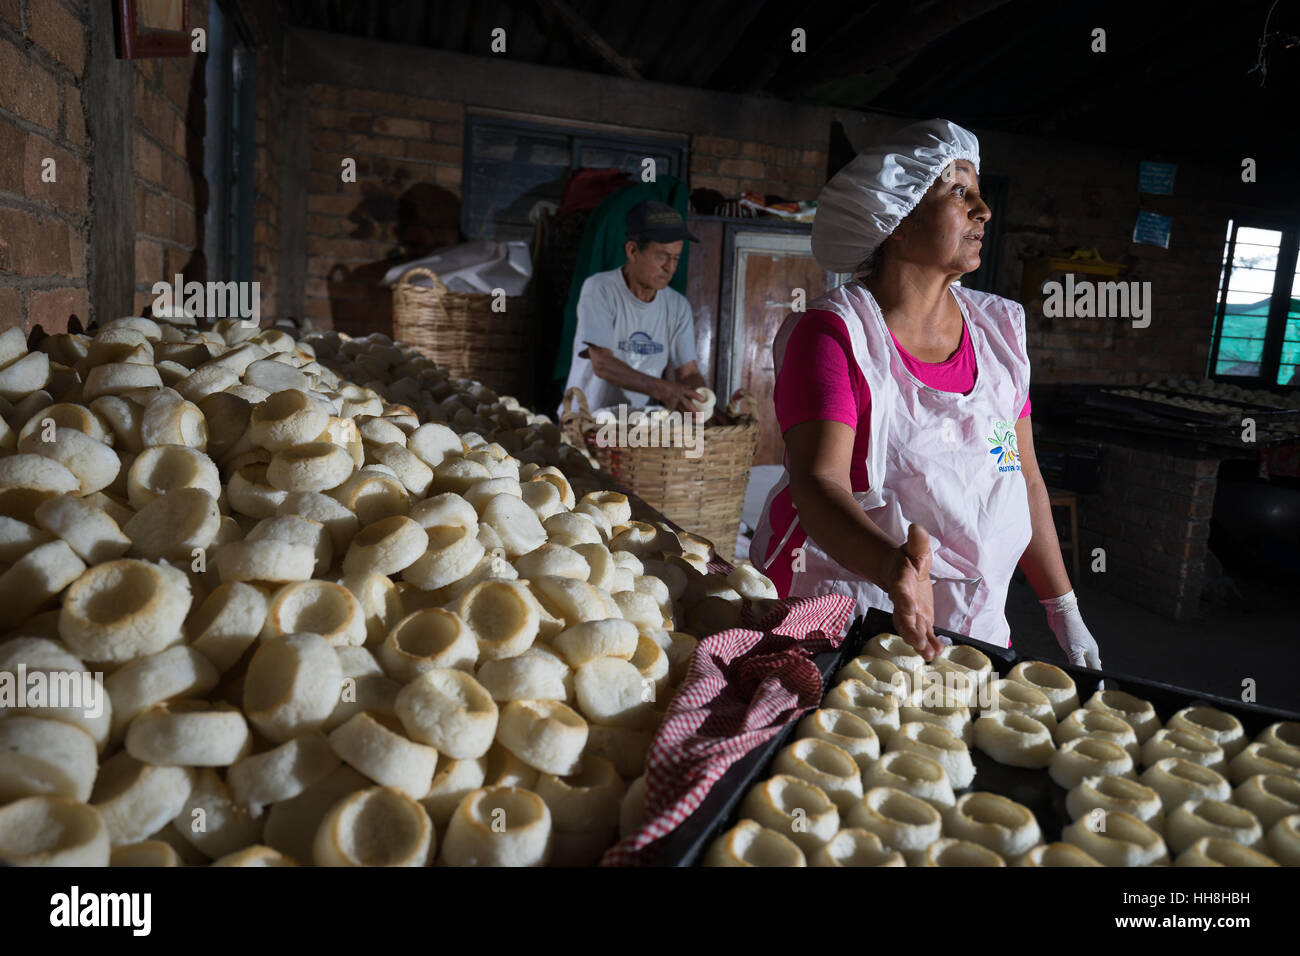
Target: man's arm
674	395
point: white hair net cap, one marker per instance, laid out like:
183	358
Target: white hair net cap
866	200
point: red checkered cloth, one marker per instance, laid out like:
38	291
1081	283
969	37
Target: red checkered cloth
743	685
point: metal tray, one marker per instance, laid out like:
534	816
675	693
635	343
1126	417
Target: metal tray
686	845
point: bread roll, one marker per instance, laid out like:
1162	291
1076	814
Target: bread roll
1178	780
292	686
855	847
291	824
880	710
380	826
1085	722
163	468
1193	819
545	734
450	711
939	745
210	823
94	463
590	640
1219	726
256	856
52	831
45	757
1014	739
625	747
174	524
453	781
1116	793
452	553
375	745
1269	796
269	559
425	640
1056	854
36	578
339	523
1284	840
1088	757
503	615
903	822
1211	851
993	821
612	691
136	799
913	774
1265	758
287	418
281	773
1055	684
227	622
587	801
950	851
1284	733
499	826
1139	714
316	607
1124	841
124	609
536	674
751	844
1184	744
825	766
381	605
188	733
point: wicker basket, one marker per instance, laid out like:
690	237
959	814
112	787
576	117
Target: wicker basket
460	332
704	495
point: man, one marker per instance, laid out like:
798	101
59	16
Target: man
632	327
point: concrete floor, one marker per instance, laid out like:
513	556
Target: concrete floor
1255	636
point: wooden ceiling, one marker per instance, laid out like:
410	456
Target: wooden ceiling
1175	76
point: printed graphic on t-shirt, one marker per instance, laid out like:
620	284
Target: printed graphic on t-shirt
1006	450
641	344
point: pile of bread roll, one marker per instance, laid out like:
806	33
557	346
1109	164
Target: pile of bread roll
882	775
341	609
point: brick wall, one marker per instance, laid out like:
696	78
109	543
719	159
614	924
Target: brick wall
734	166
167	150
1066	195
405	201
43	225
1151	516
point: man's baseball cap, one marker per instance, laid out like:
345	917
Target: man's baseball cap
651	221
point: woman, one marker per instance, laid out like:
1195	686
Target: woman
911	482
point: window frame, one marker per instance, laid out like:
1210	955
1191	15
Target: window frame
1279	300
579	136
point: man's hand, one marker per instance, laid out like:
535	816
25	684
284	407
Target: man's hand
603	362
680	398
909	588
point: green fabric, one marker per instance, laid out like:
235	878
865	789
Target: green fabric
603	239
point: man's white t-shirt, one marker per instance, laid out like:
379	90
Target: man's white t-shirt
649	336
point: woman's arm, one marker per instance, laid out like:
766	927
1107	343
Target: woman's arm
819	454
1042	561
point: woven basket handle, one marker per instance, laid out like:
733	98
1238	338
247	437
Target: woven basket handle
404	278
578	395
746	402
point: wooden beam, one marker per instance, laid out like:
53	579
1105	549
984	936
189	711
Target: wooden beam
588	37
867	48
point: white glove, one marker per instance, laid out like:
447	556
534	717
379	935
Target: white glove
1072	634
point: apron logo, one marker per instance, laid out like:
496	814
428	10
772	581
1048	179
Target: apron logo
1005	450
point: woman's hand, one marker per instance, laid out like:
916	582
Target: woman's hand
908	585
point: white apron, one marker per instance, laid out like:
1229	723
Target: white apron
937	459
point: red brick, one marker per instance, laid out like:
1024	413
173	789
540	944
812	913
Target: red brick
318	309
153	214
149	266
27	88
435	152
326	183
151	111
728	187
449	133
50	310
176	178
447	176
11	13
403	128
33	246
331	205
147	160
13	142
325	117
376	101
322	93
328	139
58	31
378	145
11	309
74	118
176	77
742	168
68	190
432	109
343	248
325	225
177	260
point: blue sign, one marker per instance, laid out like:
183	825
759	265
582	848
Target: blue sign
1152	229
1156	178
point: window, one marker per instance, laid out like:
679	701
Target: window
1257	325
231	89
511	165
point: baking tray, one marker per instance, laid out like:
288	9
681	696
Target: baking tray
687	845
